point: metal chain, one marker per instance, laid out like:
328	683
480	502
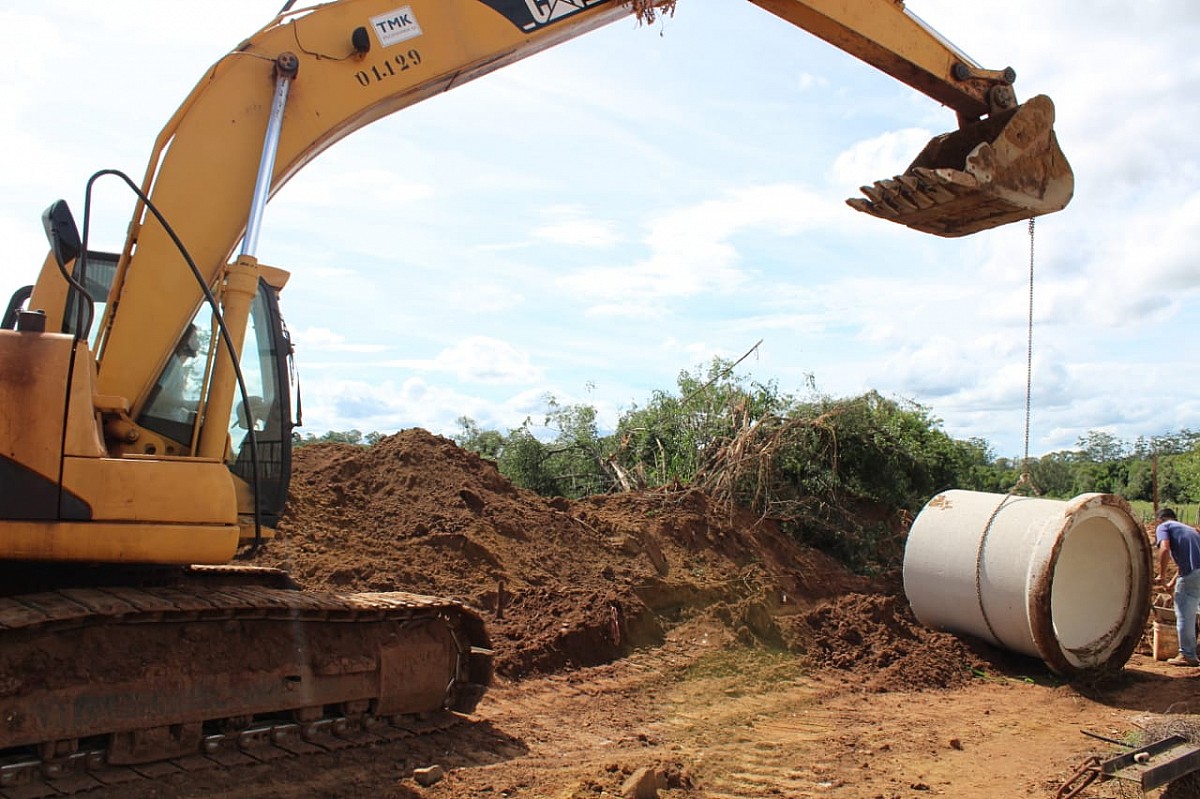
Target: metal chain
1024	480
1029	356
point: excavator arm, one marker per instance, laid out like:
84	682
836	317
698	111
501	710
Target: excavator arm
891	38
359	60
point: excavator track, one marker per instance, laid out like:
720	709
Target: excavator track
104	685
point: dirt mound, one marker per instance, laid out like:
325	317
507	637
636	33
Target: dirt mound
570	583
878	636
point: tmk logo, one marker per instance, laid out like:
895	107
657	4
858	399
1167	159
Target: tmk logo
530	14
395	26
386	26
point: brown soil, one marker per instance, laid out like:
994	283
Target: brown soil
654	638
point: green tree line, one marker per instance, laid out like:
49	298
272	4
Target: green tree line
816	463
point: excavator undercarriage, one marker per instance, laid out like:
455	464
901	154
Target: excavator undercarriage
217	664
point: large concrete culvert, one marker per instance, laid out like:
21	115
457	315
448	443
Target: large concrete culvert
1064	581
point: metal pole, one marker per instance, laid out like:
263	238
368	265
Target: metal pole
286	66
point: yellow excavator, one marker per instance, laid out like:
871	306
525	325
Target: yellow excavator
146	410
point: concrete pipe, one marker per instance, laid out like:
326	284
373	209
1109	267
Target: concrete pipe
1064	581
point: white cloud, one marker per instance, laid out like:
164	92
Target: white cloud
478	359
485	297
879	157
806	81
376	187
389	405
386	405
322	339
571	225
633	308
691	251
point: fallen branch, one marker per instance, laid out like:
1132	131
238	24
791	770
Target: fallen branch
647	11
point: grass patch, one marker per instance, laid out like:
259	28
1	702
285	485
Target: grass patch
1143	511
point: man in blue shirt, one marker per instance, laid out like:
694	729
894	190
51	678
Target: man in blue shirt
1181	543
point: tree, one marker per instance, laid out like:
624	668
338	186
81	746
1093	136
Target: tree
336	437
487	443
1139	482
1099	446
523	459
571	463
673	436
1105	477
1179	477
1053	474
975	468
580	456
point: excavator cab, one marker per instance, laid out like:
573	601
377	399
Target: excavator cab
1005	168
175	406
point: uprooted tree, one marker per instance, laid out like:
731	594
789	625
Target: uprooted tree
839	474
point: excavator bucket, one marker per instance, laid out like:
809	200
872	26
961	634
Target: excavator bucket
1003	169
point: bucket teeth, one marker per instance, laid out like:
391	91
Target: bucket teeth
880	200
920	193
898	195
929	187
859	204
918	190
954	180
914	193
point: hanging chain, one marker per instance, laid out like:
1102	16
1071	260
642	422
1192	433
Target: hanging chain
1026	479
1028	363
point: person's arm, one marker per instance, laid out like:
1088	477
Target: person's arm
1164	559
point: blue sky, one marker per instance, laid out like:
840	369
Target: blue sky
591	221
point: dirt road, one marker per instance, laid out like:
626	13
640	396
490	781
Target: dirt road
742	723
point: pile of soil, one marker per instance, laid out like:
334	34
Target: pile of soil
564	583
878	637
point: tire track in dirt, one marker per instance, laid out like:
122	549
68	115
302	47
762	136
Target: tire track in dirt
770	759
612	704
759	739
